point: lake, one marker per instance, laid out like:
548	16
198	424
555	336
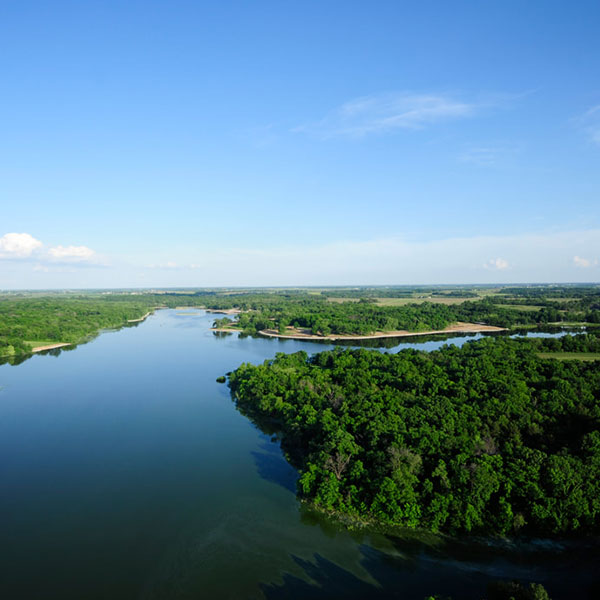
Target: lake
127	472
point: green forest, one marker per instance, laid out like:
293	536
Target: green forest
29	319
488	438
360	312
37	321
367	317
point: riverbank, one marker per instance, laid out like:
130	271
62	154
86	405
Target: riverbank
50	347
140	319
305	334
224	311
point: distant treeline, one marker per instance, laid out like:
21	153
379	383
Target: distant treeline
366	317
408	292
72	317
487	438
492	311
553	291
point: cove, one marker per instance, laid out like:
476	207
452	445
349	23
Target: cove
127	472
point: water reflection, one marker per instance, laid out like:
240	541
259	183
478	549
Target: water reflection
272	466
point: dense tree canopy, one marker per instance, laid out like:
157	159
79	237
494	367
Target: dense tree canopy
485	438
47	320
358	312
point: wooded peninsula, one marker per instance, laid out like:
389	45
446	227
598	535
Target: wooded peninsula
487	438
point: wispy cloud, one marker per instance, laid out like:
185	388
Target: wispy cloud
589	122
488	155
385	113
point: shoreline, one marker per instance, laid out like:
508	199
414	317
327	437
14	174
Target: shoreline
63	344
50	347
456	328
140	319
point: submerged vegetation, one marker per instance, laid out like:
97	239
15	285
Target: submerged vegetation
487	438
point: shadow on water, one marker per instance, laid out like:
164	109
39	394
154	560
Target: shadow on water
415	571
328	580
273	467
566	568
404	580
412	564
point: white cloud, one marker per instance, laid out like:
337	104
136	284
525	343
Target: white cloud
584	263
383	113
499	264
25	247
71	253
18	245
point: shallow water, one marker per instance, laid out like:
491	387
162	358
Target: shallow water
127	472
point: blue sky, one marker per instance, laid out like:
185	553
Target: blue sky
308	143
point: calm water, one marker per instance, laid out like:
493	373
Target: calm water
127	472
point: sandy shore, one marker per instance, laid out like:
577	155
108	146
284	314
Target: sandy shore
456	328
224	311
50	347
140	319
187	307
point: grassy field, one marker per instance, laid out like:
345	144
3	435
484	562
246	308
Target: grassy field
587	356
525	307
433	299
404	301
